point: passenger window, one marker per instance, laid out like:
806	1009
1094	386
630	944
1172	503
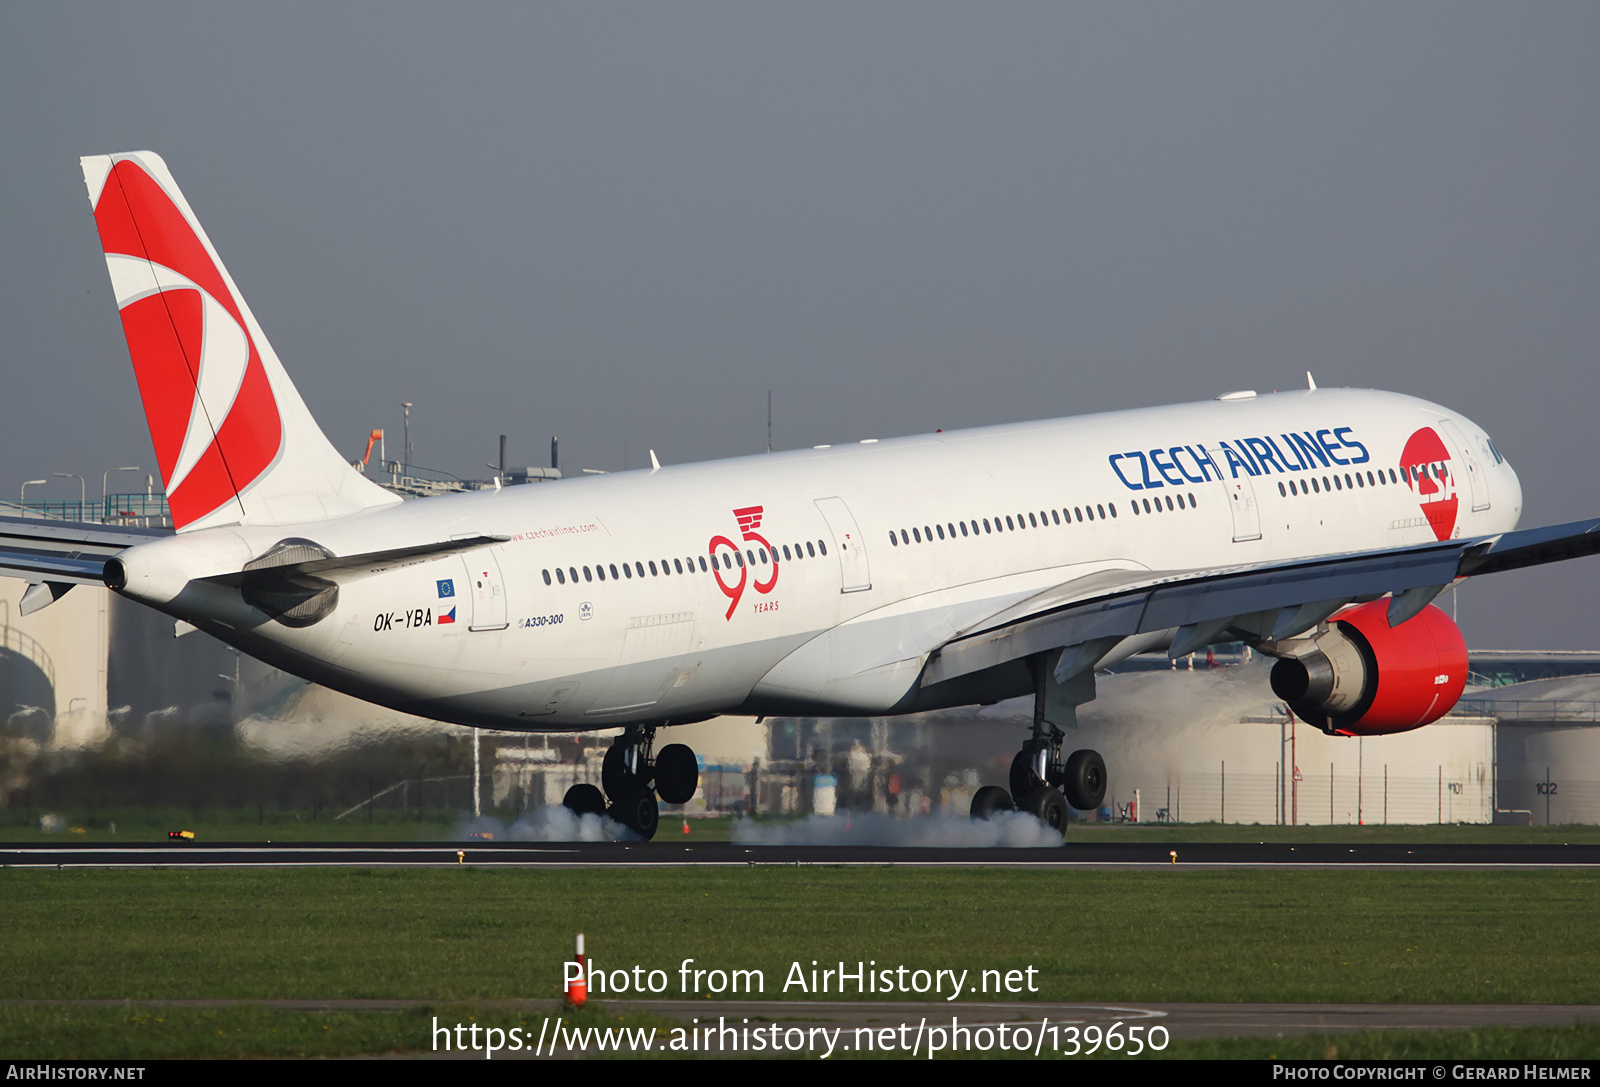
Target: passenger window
586	576
822	547
702	564
940	529
1033	522
1169	504
677	564
952	529
1056	517
811	551
559	576
916	534
985	524
786	555
652	567
546	576
626	569
963	529
893	539
1078	512
1113	507
573	570
1009	525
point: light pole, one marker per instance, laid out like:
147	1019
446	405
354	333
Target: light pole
105	497
106	475
407	406
83	488
31	483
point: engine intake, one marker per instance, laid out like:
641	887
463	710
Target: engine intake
1362	677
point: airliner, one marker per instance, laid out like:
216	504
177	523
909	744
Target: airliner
872	578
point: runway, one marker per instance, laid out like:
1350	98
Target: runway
559	855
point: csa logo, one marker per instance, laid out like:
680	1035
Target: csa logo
749	519
1425	464
447	588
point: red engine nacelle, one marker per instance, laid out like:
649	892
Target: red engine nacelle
1365	678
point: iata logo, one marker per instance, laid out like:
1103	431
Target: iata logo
1425	464
726	557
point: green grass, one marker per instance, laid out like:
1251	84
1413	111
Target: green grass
469	934
465	936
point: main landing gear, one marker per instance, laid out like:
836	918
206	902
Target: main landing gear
632	780
1043	782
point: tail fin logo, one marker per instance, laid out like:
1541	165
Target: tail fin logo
213	419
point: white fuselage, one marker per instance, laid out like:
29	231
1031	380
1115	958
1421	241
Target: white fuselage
925	538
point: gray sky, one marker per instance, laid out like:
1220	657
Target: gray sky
623	223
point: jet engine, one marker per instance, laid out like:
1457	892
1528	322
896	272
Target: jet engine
1362	677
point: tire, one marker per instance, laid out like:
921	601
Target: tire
1050	808
1024	782
584	799
677	774
1085	780
990	800
614	775
638	812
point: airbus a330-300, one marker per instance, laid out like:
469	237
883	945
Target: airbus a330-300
881	577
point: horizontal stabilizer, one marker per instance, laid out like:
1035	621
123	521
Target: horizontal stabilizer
63	552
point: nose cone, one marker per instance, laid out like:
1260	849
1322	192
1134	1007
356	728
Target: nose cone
1511	486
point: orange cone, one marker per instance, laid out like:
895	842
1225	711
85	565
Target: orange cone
577	988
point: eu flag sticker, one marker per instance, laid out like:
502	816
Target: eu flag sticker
447	588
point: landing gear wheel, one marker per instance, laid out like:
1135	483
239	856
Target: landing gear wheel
1085	784
584	799
1024	781
1049	807
615	777
638	812
991	800
677	774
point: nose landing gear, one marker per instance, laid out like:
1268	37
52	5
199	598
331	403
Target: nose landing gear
632	780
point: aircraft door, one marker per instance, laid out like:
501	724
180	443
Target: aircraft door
1475	477
1241	503
486	590
847	543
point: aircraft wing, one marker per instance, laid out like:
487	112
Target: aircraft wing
1267	601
